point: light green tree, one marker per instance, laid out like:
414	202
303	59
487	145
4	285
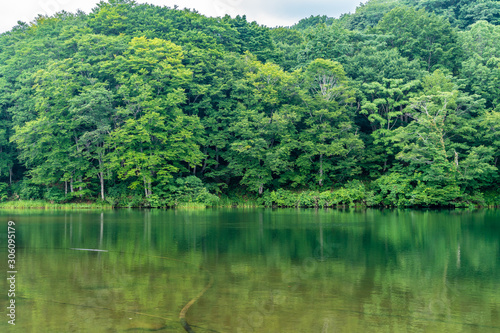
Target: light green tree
154	138
329	142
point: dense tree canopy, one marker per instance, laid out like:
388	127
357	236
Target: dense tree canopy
395	104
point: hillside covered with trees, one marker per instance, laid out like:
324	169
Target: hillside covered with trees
396	104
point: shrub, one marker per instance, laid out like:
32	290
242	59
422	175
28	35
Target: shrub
4	191
424	195
27	191
54	194
393	189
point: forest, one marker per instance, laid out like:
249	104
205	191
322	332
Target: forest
136	105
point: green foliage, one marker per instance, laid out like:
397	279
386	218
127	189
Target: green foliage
426	196
288	44
353	193
331	42
492	198
313	21
480	72
425	37
489	133
192	189
27	191
368	14
252	37
139	105
462	13
4	191
43	204
54	194
329	143
479	10
430	146
393	189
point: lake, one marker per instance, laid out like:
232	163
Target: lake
254	270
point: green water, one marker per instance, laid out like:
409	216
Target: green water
273	271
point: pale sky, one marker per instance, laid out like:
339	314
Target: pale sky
268	12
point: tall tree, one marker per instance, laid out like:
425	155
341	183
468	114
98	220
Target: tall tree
48	142
154	138
480	72
329	142
432	145
91	115
262	127
423	36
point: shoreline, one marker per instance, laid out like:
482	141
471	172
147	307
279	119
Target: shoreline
46	205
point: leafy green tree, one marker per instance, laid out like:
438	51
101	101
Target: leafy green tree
153	139
376	62
110	18
252	37
7	151
136	98
488	134
326	42
91	115
422	36
288	44
328	140
448	9
262	127
479	10
432	145
219	108
153	147
480	72
368	14
312	21
461	13
47	143
383	105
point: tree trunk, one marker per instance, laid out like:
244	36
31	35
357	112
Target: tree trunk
71	185
320	170
101	178
65	187
102	184
204	162
145	186
10	176
80	187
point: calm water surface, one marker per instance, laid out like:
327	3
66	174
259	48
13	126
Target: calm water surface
273	270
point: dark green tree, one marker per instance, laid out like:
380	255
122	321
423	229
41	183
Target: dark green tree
425	37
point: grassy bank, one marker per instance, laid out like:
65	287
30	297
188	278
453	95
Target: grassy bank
360	195
41	204
356	194
239	201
